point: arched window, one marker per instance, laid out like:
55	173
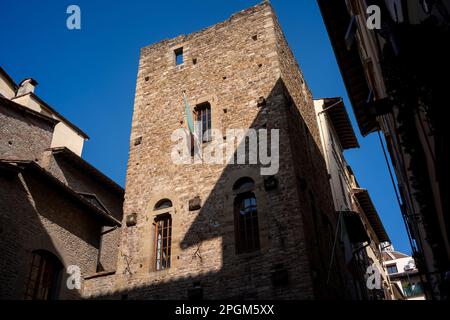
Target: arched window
44	275
243	184
245	217
163	204
163	235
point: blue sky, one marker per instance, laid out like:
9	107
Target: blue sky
89	75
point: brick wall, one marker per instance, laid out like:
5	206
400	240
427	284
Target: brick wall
314	192
82	181
22	135
36	216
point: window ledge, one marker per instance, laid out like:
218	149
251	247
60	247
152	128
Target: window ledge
249	255
100	274
162	272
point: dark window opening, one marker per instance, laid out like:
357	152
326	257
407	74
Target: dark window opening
163	241
246	223
178	56
192	145
280	276
243	185
203	121
392	269
163	204
42	281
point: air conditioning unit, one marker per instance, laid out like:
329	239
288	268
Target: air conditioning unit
410	266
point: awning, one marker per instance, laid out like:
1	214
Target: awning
364	200
337	114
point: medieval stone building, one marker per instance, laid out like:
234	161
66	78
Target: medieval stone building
56	210
225	230
188	230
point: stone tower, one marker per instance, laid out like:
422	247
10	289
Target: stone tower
182	237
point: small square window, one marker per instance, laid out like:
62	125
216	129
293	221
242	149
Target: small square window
392	269
178	56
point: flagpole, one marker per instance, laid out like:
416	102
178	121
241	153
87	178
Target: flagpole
191	126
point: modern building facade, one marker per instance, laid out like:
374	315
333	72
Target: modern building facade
392	61
56	210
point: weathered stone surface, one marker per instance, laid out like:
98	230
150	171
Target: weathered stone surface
246	71
37	213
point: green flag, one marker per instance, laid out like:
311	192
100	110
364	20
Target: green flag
187	109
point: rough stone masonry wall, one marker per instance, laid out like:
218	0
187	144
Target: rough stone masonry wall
80	181
36	216
237	62
23	136
314	190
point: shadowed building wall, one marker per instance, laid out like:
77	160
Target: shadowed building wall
245	70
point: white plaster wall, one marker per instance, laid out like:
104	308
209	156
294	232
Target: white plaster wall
334	159
25	101
5	88
64	136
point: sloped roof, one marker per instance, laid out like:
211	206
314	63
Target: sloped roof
56	113
42	102
68	155
7	77
34	168
20	108
392	255
337	114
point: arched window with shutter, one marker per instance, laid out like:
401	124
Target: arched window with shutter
163	235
